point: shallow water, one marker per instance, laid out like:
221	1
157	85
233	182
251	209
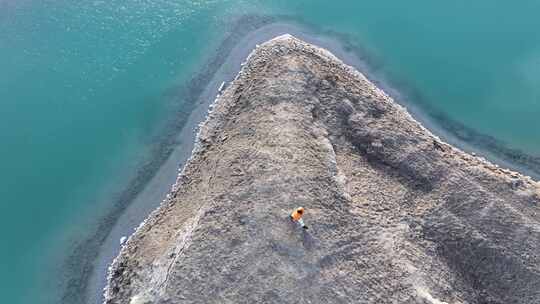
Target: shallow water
86	90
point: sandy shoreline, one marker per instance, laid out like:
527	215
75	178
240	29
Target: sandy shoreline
158	186
84	270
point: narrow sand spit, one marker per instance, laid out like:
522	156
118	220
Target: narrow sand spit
396	215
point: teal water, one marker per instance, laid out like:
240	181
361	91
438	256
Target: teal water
85	88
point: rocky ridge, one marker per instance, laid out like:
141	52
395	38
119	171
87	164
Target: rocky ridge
395	214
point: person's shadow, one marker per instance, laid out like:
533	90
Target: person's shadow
308	240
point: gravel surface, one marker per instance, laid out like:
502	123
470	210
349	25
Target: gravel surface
395	214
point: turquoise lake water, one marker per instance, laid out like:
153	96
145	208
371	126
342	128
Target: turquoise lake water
86	88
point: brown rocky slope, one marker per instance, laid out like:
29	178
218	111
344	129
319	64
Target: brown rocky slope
395	215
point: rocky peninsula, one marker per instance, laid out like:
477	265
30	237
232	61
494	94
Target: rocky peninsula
396	215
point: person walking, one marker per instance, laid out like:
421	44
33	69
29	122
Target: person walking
296	216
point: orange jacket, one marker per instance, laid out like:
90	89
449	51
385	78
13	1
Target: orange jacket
297	213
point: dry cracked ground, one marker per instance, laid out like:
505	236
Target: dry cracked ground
395	215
